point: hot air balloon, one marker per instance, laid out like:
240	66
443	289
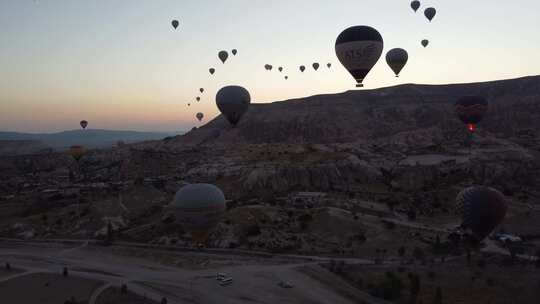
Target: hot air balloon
315	66
175	24
84	124
359	48
329	65
286	77
280	69
223	55
212	71
415	5
430	13
199	116
233	102
471	110
77	152
234	51
201	90
482	209
199	208
397	59
270	67
425	42
198	98
189	104
302	68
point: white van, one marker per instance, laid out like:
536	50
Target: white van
226	281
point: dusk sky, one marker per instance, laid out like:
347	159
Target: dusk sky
120	65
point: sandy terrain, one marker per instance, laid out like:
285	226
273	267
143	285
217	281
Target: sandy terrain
46	288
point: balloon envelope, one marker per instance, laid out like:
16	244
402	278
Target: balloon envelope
77	152
415	5
430	13
84	124
201	90
198	98
199	116
471	110
212	71
329	65
302	68
223	55
280	69
233	102
315	66
175	23
359	48
481	209
397	59
199	208
425	43
234	51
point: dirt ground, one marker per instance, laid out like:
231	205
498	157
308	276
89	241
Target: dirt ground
112	295
46	289
487	279
7	273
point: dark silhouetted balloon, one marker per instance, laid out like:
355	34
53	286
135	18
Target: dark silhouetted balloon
198	98
201	90
302	68
223	55
329	65
199	116
175	24
359	48
233	102
482	209
397	59
84	124
286	77
234	51
315	66
280	69
425	43
415	5
199	208
77	152
212	71
471	110
268	67
430	13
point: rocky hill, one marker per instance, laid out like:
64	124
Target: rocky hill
408	110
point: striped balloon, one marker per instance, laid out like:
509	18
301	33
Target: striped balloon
199	208
471	110
481	209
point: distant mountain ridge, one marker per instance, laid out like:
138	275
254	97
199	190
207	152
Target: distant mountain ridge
90	138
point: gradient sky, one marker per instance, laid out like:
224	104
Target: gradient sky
120	65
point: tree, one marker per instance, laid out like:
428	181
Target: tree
414	281
438	296
123	289
418	253
401	251
110	234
